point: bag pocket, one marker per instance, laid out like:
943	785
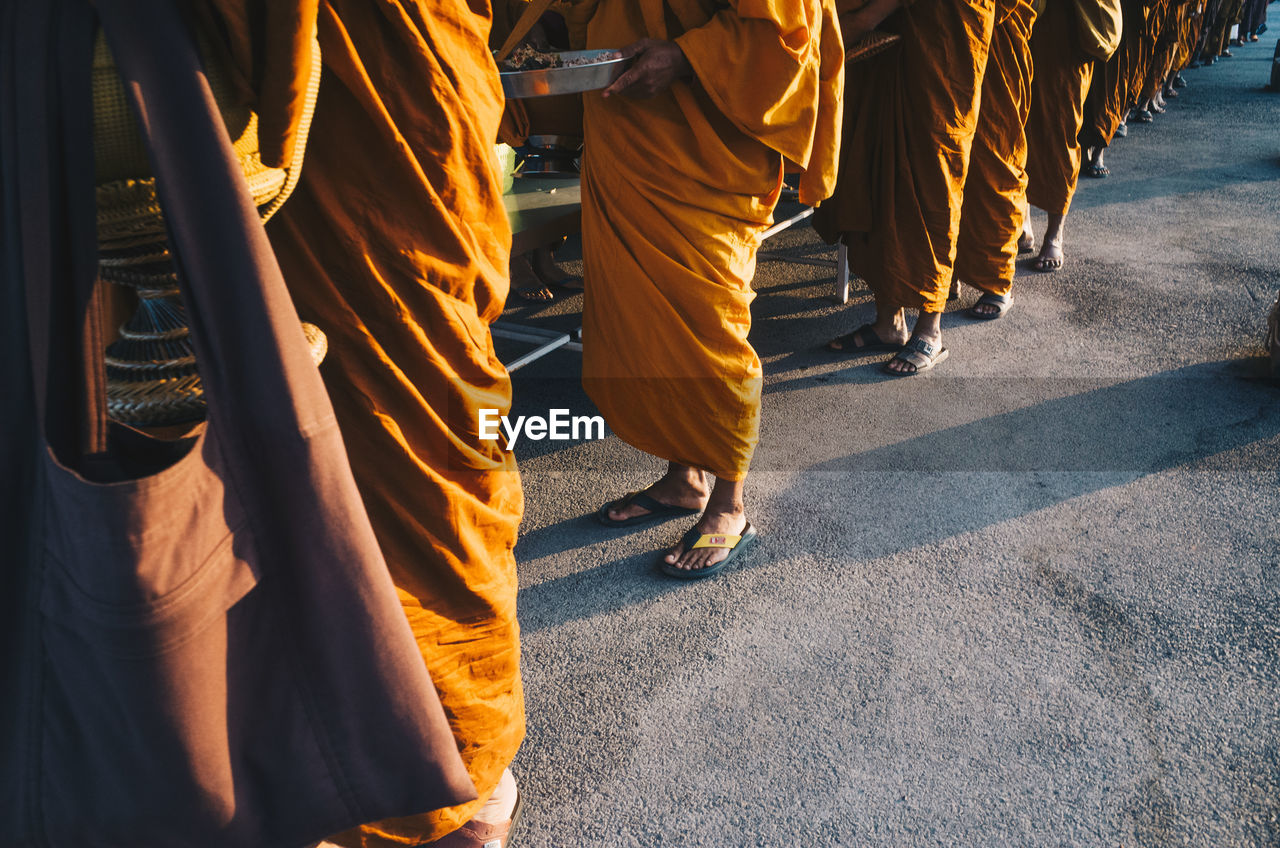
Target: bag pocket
150	624
148	559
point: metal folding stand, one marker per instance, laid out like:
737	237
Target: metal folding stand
540	211
842	253
545	341
538	216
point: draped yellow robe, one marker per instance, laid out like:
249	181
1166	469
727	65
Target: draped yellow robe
396	244
1062	75
676	191
910	118
995	188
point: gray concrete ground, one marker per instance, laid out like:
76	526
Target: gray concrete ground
1030	598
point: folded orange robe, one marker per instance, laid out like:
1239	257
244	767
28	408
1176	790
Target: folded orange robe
1109	97
396	244
910	118
1062	74
676	191
995	189
1167	29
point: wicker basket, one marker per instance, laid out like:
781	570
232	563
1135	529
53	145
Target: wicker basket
152	376
872	44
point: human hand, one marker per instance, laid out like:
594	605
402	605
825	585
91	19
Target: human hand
658	64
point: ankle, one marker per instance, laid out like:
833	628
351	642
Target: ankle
501	804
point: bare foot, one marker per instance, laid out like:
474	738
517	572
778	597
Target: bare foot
901	366
861	339
682	486
984	310
730	522
1050	258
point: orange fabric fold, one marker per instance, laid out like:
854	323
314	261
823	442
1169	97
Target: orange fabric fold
396	244
1108	100
789	96
910	118
995	188
270	42
676	192
1062	75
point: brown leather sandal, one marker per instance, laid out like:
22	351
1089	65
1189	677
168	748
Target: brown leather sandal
476	834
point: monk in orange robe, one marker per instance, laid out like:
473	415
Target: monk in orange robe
396	244
995	189
1109	98
910	120
1063	71
683	165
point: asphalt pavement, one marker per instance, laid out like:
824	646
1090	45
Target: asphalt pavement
1031	598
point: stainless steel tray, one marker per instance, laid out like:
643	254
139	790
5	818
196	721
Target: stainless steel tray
548	81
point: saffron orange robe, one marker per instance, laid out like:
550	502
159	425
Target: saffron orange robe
1062	74
1167	32
995	189
396	244
676	191
1109	98
910	118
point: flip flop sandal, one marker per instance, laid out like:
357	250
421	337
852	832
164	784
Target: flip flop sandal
693	539
871	343
1142	116
658	511
1179	82
1001	302
919	354
1097	171
547	292
1122	131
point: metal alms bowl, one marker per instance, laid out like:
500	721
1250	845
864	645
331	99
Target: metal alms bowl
547	81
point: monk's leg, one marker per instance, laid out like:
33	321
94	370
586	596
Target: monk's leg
681	486
501	805
726	514
1027	241
1050	258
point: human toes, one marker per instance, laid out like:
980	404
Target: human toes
674	554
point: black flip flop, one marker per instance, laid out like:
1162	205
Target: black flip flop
658	511
872	342
1001	302
693	539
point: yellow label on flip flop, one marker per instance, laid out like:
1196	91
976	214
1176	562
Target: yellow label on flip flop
721	541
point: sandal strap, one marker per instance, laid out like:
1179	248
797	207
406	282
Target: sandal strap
716	540
915	343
